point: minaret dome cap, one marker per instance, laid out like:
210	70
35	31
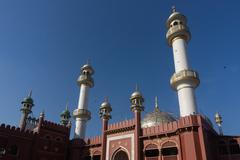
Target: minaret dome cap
87	67
106	105
28	99
175	15
136	94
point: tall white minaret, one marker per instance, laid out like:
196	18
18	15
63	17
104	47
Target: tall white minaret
184	80
81	114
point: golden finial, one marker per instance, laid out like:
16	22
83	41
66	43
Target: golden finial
156	102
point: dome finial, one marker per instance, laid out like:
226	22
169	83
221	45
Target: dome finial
156	104
30	94
66	106
174	9
106	99
136	87
88	61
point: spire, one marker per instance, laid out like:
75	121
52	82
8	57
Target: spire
136	87
156	104
30	94
174	9
88	61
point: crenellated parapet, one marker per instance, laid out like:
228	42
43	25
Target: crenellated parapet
55	127
97	140
13	131
121	126
183	124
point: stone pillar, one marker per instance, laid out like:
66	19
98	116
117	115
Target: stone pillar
136	107
105	115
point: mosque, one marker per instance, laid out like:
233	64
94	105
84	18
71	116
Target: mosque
157	136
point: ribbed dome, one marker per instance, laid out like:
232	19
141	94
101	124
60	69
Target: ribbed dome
156	117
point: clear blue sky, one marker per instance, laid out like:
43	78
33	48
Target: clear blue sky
44	43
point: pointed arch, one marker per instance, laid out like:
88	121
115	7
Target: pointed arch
121	154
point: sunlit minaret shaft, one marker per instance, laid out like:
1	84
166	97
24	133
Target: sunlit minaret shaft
81	114
184	80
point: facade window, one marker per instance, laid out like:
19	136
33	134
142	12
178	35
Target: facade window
234	147
96	157
152	153
169	151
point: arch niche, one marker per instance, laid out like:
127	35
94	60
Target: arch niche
120	155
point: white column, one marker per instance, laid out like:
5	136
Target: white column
186	95
80	128
187	102
83	97
180	54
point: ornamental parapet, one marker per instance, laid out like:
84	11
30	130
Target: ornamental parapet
82	113
185	76
85	79
176	31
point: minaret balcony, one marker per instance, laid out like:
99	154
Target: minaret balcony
85	79
180	30
188	77
136	107
82	113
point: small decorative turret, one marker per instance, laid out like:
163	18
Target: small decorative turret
137	107
137	100
105	115
81	114
40	121
105	110
65	116
184	80
218	120
26	109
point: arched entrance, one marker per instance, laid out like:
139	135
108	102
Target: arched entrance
121	155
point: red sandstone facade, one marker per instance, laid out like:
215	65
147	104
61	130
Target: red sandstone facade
189	138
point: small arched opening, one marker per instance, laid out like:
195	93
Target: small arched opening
151	152
120	155
169	151
96	155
